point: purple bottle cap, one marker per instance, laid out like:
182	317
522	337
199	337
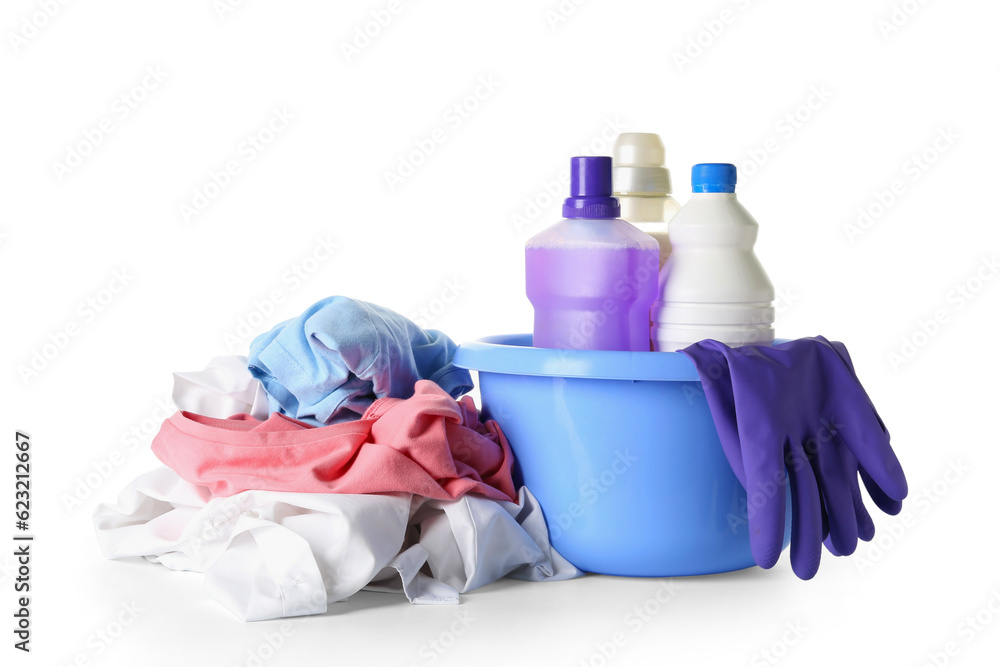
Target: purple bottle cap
590	189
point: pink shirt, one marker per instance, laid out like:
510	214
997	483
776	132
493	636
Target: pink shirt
430	445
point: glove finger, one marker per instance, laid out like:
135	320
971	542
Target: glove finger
760	470
835	489
717	385
885	503
766	480
869	443
866	527
866	434
807	515
841	351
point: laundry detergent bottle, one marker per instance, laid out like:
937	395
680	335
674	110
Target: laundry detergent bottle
591	277
712	285
642	185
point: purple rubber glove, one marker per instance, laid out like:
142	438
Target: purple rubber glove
866	528
796	414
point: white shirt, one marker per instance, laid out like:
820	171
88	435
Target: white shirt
269	554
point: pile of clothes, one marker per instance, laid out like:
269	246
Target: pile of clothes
341	455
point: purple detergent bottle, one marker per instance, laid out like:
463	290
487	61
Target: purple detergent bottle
592	277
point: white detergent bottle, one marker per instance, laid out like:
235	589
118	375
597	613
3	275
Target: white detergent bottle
712	285
642	185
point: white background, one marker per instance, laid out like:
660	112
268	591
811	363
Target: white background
561	80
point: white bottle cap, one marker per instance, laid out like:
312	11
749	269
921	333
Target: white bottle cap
638	165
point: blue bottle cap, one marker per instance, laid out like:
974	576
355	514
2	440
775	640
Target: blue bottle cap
713	177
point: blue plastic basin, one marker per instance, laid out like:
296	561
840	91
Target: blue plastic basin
620	450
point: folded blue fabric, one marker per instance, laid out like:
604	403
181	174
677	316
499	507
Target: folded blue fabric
331	362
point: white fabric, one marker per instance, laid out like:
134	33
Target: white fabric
223	389
269	554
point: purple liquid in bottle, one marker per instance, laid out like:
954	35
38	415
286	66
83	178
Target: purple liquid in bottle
592	277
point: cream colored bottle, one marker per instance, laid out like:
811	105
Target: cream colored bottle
642	185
